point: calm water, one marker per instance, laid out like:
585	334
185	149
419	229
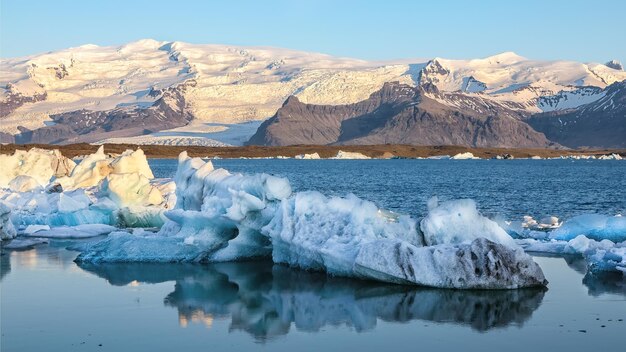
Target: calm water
48	303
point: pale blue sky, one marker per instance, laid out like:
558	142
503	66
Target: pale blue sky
555	29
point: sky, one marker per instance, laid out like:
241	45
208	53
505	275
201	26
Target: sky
583	31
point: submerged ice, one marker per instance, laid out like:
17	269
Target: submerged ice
221	216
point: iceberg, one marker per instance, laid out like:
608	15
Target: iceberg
350	155
593	226
600	239
464	156
99	190
308	156
221	216
39	165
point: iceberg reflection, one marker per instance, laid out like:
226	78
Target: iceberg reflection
265	299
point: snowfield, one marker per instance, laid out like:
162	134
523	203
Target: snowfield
233	85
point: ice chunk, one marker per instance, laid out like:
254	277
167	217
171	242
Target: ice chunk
89	172
97	166
7	230
459	221
312	231
132	162
481	264
308	156
218	217
21	243
593	226
24	183
30	229
131	189
79	231
464	156
350	155
40	164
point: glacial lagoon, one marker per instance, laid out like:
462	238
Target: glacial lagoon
50	303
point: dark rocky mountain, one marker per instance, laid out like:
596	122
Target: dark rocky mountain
598	124
402	114
169	111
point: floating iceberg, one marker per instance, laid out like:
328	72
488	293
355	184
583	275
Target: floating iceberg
350	155
464	156
99	190
308	156
600	239
593	226
221	216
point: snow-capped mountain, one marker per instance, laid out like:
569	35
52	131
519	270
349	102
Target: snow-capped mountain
147	88
600	123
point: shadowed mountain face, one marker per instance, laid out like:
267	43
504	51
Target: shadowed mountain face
267	300
169	111
401	114
598	124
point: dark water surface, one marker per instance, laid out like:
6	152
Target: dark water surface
49	303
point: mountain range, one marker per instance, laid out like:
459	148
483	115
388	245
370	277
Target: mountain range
175	93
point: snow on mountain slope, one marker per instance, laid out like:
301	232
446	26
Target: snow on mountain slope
231	85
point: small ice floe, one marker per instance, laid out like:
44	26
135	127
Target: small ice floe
349	155
505	156
22	243
464	156
79	231
610	157
601	239
545	224
308	156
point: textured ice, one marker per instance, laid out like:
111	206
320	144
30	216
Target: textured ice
593	226
39	164
130	189
217	217
312	231
7	230
221	216
21	243
481	264
459	221
78	231
99	190
24	183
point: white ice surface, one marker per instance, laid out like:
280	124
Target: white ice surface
458	221
78	231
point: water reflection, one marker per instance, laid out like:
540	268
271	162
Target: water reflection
597	284
5	263
266	300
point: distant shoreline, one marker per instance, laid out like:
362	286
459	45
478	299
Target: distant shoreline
324	151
